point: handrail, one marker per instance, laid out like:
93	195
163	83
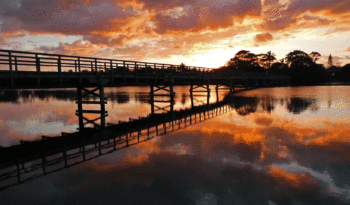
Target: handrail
13	63
89	59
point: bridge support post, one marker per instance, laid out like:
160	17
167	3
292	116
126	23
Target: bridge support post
158	105
217	91
208	92
246	84
232	86
191	94
101	111
202	87
152	99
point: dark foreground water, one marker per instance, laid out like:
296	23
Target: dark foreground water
278	146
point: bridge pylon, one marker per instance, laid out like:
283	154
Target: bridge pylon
200	86
157	94
84	114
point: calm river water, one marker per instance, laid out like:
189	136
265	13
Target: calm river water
278	146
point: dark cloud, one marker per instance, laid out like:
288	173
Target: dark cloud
263	37
298	14
208	16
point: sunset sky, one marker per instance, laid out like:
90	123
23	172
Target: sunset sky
196	32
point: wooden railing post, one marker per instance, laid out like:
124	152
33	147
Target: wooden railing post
111	64
155	72
136	73
37	63
79	67
59	66
75	66
10	67
124	70
16	64
146	72
96	65
102	100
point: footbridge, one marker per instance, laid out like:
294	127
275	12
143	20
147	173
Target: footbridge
89	75
19	69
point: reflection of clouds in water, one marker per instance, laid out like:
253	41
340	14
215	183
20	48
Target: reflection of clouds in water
261	157
273	140
166	178
179	149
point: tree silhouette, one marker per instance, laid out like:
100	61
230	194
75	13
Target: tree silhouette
315	56
268	57
304	70
298	59
182	67
297	105
244	60
345	72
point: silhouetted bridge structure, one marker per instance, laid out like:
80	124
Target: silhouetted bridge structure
19	69
90	75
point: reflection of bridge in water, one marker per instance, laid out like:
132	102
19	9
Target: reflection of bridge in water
30	160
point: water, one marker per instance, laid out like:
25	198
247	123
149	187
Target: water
29	114
278	146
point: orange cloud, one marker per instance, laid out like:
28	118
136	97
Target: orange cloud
76	48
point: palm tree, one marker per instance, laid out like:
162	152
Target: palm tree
269	56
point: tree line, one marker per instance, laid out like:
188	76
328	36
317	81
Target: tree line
302	67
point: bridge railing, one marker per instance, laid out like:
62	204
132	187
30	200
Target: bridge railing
15	61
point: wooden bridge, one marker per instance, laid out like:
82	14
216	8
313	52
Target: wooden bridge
19	69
